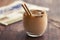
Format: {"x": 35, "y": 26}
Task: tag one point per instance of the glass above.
{"x": 54, "y": 6}
{"x": 35, "y": 24}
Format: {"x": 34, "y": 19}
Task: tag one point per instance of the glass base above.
{"x": 32, "y": 35}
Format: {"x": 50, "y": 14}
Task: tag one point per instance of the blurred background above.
{"x": 53, "y": 5}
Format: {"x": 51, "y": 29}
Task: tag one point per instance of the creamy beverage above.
{"x": 35, "y": 24}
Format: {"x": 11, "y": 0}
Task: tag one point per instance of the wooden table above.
{"x": 16, "y": 31}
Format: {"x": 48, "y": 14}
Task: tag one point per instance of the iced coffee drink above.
{"x": 35, "y": 24}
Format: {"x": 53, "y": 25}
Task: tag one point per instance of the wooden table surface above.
{"x": 16, "y": 31}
